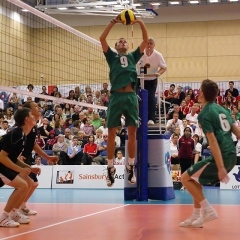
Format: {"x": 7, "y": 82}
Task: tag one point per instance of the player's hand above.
{"x": 117, "y": 19}
{"x": 53, "y": 159}
{"x": 36, "y": 170}
{"x": 25, "y": 171}
{"x": 21, "y": 158}
{"x": 223, "y": 175}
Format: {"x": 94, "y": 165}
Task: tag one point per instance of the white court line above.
{"x": 70, "y": 220}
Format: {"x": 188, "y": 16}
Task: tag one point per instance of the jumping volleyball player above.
{"x": 217, "y": 125}
{"x": 123, "y": 100}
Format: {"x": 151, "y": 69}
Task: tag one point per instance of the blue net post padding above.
{"x": 139, "y": 191}
{"x": 142, "y": 148}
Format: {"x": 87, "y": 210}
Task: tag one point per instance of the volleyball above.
{"x": 127, "y": 17}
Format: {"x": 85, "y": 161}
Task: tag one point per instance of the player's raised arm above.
{"x": 106, "y": 32}
{"x": 144, "y": 43}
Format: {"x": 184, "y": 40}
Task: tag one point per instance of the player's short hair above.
{"x": 209, "y": 89}
{"x": 20, "y": 116}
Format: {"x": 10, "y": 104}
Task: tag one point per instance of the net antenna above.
{"x": 97, "y": 8}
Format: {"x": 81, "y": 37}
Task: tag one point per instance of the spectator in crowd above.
{"x": 198, "y": 149}
{"x": 169, "y": 96}
{"x": 174, "y": 152}
{"x": 81, "y": 139}
{"x": 74, "y": 154}
{"x": 96, "y": 120}
{"x": 105, "y": 90}
{"x": 192, "y": 116}
{"x": 102, "y": 156}
{"x": 61, "y": 114}
{"x": 88, "y": 128}
{"x": 172, "y": 124}
{"x": 184, "y": 108}
{"x": 60, "y": 146}
{"x": 30, "y": 88}
{"x": 75, "y": 115}
{"x": 89, "y": 99}
{"x": 179, "y": 96}
{"x": 44, "y": 92}
{"x": 68, "y": 110}
{"x": 191, "y": 93}
{"x": 1, "y": 104}
{"x": 77, "y": 93}
{"x": 38, "y": 161}
{"x": 184, "y": 125}
{"x": 121, "y": 133}
{"x": 1, "y": 120}
{"x": 104, "y": 126}
{"x": 45, "y": 129}
{"x": 68, "y": 123}
{"x": 102, "y": 113}
{"x": 51, "y": 140}
{"x": 4, "y": 128}
{"x": 55, "y": 118}
{"x": 89, "y": 151}
{"x": 68, "y": 137}
{"x": 104, "y": 100}
{"x": 120, "y": 159}
{"x": 98, "y": 137}
{"x": 58, "y": 101}
{"x": 76, "y": 127}
{"x": 13, "y": 101}
{"x": 97, "y": 97}
{"x": 55, "y": 90}
{"x": 176, "y": 109}
{"x": 40, "y": 141}
{"x": 81, "y": 117}
{"x": 89, "y": 112}
{"x": 186, "y": 146}
{"x": 9, "y": 117}
{"x": 155, "y": 65}
{"x": 189, "y": 102}
{"x": 230, "y": 102}
{"x": 82, "y": 98}
{"x": 236, "y": 112}
{"x": 234, "y": 92}
{"x": 59, "y": 127}
{"x": 224, "y": 105}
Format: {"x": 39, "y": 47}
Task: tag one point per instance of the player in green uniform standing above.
{"x": 217, "y": 125}
{"x": 123, "y": 100}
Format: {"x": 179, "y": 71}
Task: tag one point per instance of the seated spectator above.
{"x": 169, "y": 96}
{"x": 81, "y": 139}
{"x": 54, "y": 90}
{"x": 81, "y": 117}
{"x": 176, "y": 109}
{"x": 68, "y": 110}
{"x": 97, "y": 97}
{"x": 88, "y": 90}
{"x": 68, "y": 137}
{"x": 105, "y": 90}
{"x": 40, "y": 141}
{"x": 104, "y": 126}
{"x": 30, "y": 88}
{"x": 104, "y": 100}
{"x": 76, "y": 127}
{"x": 1, "y": 105}
{"x": 224, "y": 105}
{"x": 121, "y": 133}
{"x": 89, "y": 151}
{"x": 189, "y": 102}
{"x": 68, "y": 123}
{"x": 59, "y": 127}
{"x": 1, "y": 120}
{"x": 75, "y": 115}
{"x": 88, "y": 128}
{"x": 198, "y": 149}
{"x": 174, "y": 152}
{"x": 51, "y": 140}
{"x": 117, "y": 141}
{"x": 200, "y": 133}
{"x": 192, "y": 116}
{"x": 13, "y": 101}
{"x": 74, "y": 154}
{"x": 60, "y": 146}
{"x": 55, "y": 118}
{"x": 38, "y": 161}
{"x": 89, "y": 99}
{"x": 77, "y": 92}
{"x": 96, "y": 120}
{"x": 47, "y": 112}
{"x": 184, "y": 125}
{"x": 9, "y": 117}
{"x": 61, "y": 114}
{"x": 98, "y": 137}
{"x": 179, "y": 96}
{"x": 82, "y": 97}
{"x": 230, "y": 102}
{"x": 172, "y": 124}
{"x": 234, "y": 92}
{"x": 102, "y": 113}
{"x": 191, "y": 93}
{"x": 45, "y": 129}
{"x": 102, "y": 156}
{"x": 89, "y": 113}
{"x": 120, "y": 159}
{"x": 183, "y": 108}
{"x": 4, "y": 129}
{"x": 236, "y": 112}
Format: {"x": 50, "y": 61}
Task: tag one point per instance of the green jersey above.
{"x": 214, "y": 118}
{"x": 122, "y": 68}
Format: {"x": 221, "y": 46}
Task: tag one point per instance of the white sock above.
{"x": 4, "y": 214}
{"x": 110, "y": 162}
{"x": 23, "y": 205}
{"x": 197, "y": 211}
{"x": 205, "y": 204}
{"x": 131, "y": 161}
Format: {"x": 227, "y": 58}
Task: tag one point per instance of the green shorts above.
{"x": 122, "y": 103}
{"x": 206, "y": 172}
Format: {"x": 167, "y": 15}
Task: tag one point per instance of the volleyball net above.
{"x": 40, "y": 50}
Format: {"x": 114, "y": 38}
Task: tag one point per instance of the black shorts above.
{"x": 7, "y": 175}
{"x": 33, "y": 176}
